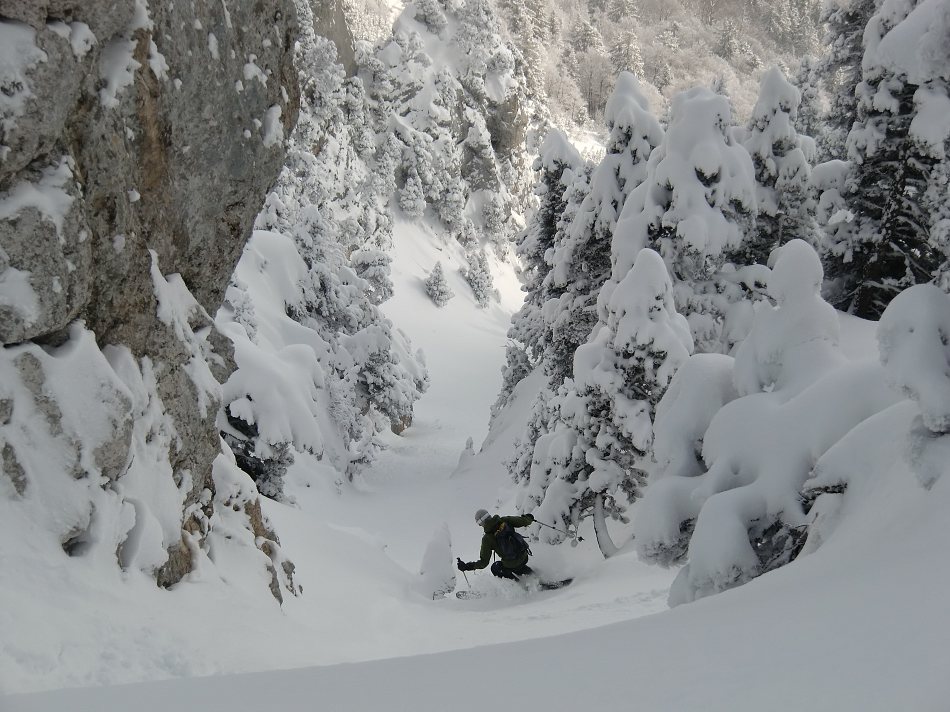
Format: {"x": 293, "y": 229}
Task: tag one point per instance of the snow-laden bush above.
{"x": 914, "y": 341}
{"x": 373, "y": 266}
{"x": 664, "y": 522}
{"x": 437, "y": 287}
{"x": 910, "y": 436}
{"x": 792, "y": 343}
{"x": 798, "y": 396}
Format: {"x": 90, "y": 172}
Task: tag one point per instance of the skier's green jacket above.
{"x": 489, "y": 545}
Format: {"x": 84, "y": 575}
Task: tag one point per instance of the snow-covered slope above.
{"x": 801, "y": 637}
{"x": 880, "y": 630}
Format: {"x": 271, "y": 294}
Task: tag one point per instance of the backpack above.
{"x": 509, "y": 543}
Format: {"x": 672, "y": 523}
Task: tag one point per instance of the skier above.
{"x": 500, "y": 537}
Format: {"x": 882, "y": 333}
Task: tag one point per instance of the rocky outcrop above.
{"x": 330, "y": 21}
{"x": 137, "y": 142}
{"x": 145, "y": 127}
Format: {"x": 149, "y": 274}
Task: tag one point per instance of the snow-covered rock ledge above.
{"x": 137, "y": 142}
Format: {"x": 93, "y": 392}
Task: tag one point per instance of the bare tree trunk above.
{"x": 606, "y": 544}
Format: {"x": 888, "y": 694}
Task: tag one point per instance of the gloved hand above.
{"x": 529, "y": 516}
{"x": 462, "y": 566}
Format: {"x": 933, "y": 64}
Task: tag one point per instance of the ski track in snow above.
{"x": 413, "y": 487}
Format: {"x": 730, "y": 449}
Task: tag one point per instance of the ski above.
{"x": 469, "y": 594}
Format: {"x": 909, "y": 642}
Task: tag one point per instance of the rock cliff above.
{"x": 137, "y": 142}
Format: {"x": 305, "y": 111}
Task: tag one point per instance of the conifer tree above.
{"x": 520, "y": 462}
{"x": 625, "y": 53}
{"x": 620, "y": 10}
{"x": 808, "y": 121}
{"x": 581, "y": 257}
{"x": 937, "y": 203}
{"x": 437, "y": 287}
{"x": 841, "y": 69}
{"x": 558, "y": 164}
{"x": 695, "y": 205}
{"x": 586, "y": 38}
{"x": 782, "y": 172}
{"x": 411, "y": 198}
{"x": 886, "y": 247}
{"x": 478, "y": 275}
{"x": 591, "y": 463}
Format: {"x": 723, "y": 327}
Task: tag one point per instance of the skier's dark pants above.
{"x": 501, "y": 572}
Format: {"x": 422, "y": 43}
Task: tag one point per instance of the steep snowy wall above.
{"x": 137, "y": 142}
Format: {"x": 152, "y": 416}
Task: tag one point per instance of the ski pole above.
{"x": 561, "y": 531}
{"x": 466, "y": 579}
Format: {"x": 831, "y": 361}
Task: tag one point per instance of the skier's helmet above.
{"x": 481, "y": 516}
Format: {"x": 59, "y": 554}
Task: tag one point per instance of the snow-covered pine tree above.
{"x": 840, "y": 69}
{"x": 696, "y": 204}
{"x": 437, "y": 287}
{"x": 893, "y": 152}
{"x": 938, "y": 207}
{"x": 558, "y": 164}
{"x": 526, "y": 23}
{"x": 519, "y": 464}
{"x": 478, "y": 275}
{"x": 729, "y": 46}
{"x": 782, "y": 173}
{"x": 586, "y": 37}
{"x": 387, "y": 379}
{"x": 605, "y": 415}
{"x": 411, "y": 198}
{"x": 794, "y": 23}
{"x": 808, "y": 121}
{"x": 620, "y": 10}
{"x": 562, "y": 334}
{"x": 625, "y": 53}
{"x": 581, "y": 257}
{"x": 563, "y": 174}
{"x": 516, "y": 368}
